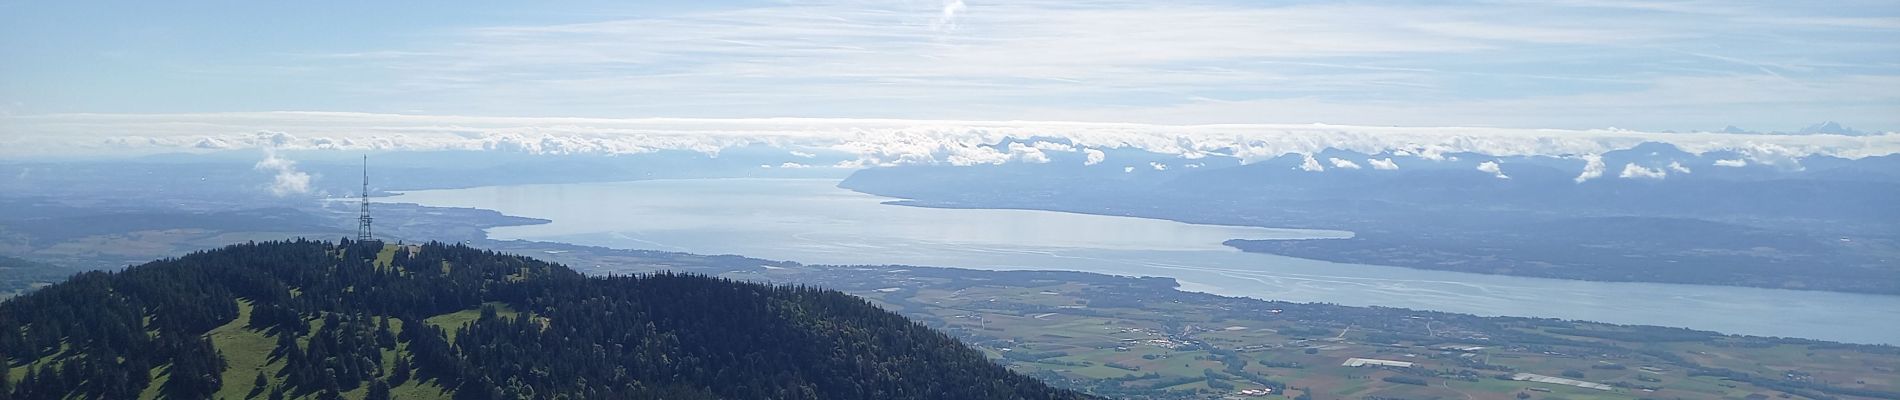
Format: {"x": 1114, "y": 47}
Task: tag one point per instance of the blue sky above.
{"x": 1572, "y": 64}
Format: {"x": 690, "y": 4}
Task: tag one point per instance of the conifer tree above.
{"x": 400, "y": 373}
{"x": 259, "y": 384}
{"x": 377, "y": 391}
{"x": 6, "y": 381}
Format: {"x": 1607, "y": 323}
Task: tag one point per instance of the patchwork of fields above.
{"x": 1187, "y": 350}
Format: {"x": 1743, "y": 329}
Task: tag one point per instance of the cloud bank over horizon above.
{"x": 870, "y": 142}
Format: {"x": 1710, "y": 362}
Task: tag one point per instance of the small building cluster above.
{"x": 1255, "y": 392}
{"x": 1361, "y": 362}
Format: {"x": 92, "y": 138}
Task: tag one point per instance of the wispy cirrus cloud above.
{"x": 1574, "y": 64}
{"x": 1570, "y": 64}
{"x": 945, "y": 81}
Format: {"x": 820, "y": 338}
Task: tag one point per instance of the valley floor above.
{"x": 1141, "y": 338}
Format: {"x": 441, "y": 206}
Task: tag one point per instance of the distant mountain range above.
{"x": 1652, "y": 212}
{"x": 1824, "y": 128}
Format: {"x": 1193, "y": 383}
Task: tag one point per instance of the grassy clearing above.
{"x": 449, "y": 322}
{"x": 386, "y": 256}
{"x": 246, "y": 352}
{"x": 16, "y": 372}
{"x": 418, "y": 390}
{"x": 159, "y": 376}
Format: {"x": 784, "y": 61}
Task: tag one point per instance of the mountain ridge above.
{"x": 363, "y": 320}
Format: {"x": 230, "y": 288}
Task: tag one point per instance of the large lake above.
{"x": 813, "y": 221}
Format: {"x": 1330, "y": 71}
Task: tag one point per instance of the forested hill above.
{"x": 309, "y": 319}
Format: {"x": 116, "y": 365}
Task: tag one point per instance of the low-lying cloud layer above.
{"x": 1592, "y": 168}
{"x": 1633, "y": 171}
{"x": 866, "y": 142}
{"x": 286, "y": 179}
{"x": 1492, "y": 167}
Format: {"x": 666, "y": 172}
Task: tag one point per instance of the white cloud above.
{"x": 211, "y": 144}
{"x": 1158, "y": 166}
{"x": 1382, "y": 163}
{"x": 1029, "y": 154}
{"x": 1094, "y": 156}
{"x": 858, "y": 164}
{"x": 800, "y": 154}
{"x": 1053, "y": 146}
{"x": 1678, "y": 167}
{"x": 1736, "y": 163}
{"x": 1493, "y": 168}
{"x": 1774, "y": 154}
{"x": 325, "y": 143}
{"x": 793, "y": 165}
{"x": 1342, "y": 163}
{"x": 1632, "y": 171}
{"x": 1311, "y": 165}
{"x": 1128, "y": 169}
{"x": 286, "y": 179}
{"x": 1592, "y": 168}
{"x": 275, "y": 139}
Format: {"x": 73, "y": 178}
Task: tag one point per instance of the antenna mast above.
{"x": 362, "y": 220}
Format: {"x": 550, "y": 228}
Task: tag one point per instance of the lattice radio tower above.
{"x": 362, "y": 220}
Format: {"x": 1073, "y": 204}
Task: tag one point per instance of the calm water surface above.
{"x": 812, "y": 221}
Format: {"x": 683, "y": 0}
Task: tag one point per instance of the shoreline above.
{"x": 549, "y": 250}
{"x": 1230, "y": 243}
{"x": 1178, "y": 285}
